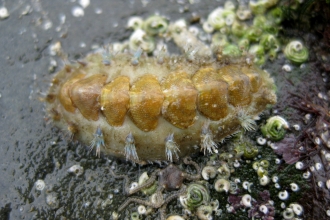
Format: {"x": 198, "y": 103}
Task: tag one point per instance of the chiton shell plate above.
{"x": 152, "y": 100}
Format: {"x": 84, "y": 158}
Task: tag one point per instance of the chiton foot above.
{"x": 148, "y": 110}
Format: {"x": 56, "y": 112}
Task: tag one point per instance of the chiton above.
{"x": 152, "y": 109}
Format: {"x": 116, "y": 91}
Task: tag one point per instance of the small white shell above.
{"x": 296, "y": 127}
{"x": 135, "y": 22}
{"x": 297, "y": 208}
{"x": 318, "y": 166}
{"x": 275, "y": 179}
{"x": 133, "y": 185}
{"x": 263, "y": 209}
{"x": 307, "y": 175}
{"x": 175, "y": 217}
{"x": 277, "y": 185}
{"x": 294, "y": 187}
{"x": 288, "y": 214}
{"x": 246, "y": 200}
{"x": 283, "y": 195}
{"x": 299, "y": 165}
{"x": 327, "y": 183}
{"x": 247, "y": 185}
{"x": 236, "y": 164}
{"x": 40, "y": 185}
{"x": 3, "y": 13}
{"x": 209, "y": 172}
{"x": 222, "y": 185}
{"x": 287, "y": 68}
{"x": 264, "y": 180}
{"x": 261, "y": 141}
{"x": 142, "y": 210}
{"x": 76, "y": 169}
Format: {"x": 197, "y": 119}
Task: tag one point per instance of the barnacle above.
{"x": 195, "y": 195}
{"x": 216, "y": 19}
{"x": 260, "y": 6}
{"x": 224, "y": 171}
{"x": 219, "y": 40}
{"x": 155, "y": 25}
{"x": 265, "y": 24}
{"x": 259, "y": 54}
{"x": 276, "y": 15}
{"x": 243, "y": 12}
{"x": 269, "y": 41}
{"x": 275, "y": 128}
{"x": 253, "y": 34}
{"x": 204, "y": 212}
{"x": 135, "y": 22}
{"x": 98, "y": 141}
{"x": 209, "y": 172}
{"x": 222, "y": 185}
{"x": 139, "y": 39}
{"x": 296, "y": 52}
{"x": 231, "y": 50}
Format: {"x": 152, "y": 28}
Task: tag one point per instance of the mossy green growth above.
{"x": 269, "y": 42}
{"x": 259, "y": 54}
{"x": 231, "y": 50}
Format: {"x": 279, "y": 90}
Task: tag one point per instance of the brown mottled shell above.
{"x": 179, "y": 107}
{"x": 85, "y": 95}
{"x": 149, "y": 102}
{"x": 115, "y": 100}
{"x": 146, "y": 99}
{"x": 212, "y": 93}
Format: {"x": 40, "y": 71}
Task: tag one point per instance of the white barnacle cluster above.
{"x": 261, "y": 168}
{"x": 145, "y": 31}
{"x": 233, "y": 32}
{"x": 294, "y": 210}
{"x": 222, "y": 175}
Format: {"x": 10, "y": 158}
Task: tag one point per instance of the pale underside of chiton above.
{"x": 145, "y": 104}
